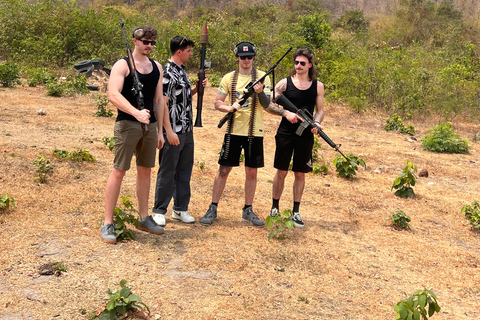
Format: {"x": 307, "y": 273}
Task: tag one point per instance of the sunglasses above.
{"x": 181, "y": 42}
{"x": 302, "y": 63}
{"x": 146, "y": 42}
{"x": 246, "y": 57}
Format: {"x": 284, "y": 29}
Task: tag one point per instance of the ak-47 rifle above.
{"x": 201, "y": 75}
{"x": 307, "y": 122}
{"x": 249, "y": 90}
{"x": 137, "y": 85}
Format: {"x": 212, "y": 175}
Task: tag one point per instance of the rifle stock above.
{"x": 137, "y": 85}
{"x": 249, "y": 90}
{"x": 308, "y": 119}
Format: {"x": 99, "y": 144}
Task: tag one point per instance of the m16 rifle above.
{"x": 137, "y": 85}
{"x": 249, "y": 90}
{"x": 307, "y": 122}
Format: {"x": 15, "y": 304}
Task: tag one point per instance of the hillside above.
{"x": 346, "y": 263}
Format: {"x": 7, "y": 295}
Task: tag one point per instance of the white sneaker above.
{"x": 159, "y": 219}
{"x": 184, "y": 216}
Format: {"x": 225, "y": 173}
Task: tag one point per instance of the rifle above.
{"x": 201, "y": 75}
{"x": 307, "y": 122}
{"x": 137, "y": 85}
{"x": 249, "y": 91}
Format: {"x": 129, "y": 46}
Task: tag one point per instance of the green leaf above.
{"x": 134, "y": 298}
{"x": 110, "y": 305}
{"x": 123, "y": 281}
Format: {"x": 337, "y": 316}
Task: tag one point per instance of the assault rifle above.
{"x": 137, "y": 85}
{"x": 249, "y": 90}
{"x": 307, "y": 122}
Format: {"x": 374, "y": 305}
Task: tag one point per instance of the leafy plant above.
{"x": 123, "y": 216}
{"x": 61, "y": 154}
{"x": 6, "y": 201}
{"x": 59, "y": 267}
{"x": 399, "y": 220}
{"x": 279, "y": 223}
{"x": 101, "y": 103}
{"x": 347, "y": 169}
{"x": 416, "y": 305}
{"x": 80, "y": 155}
{"x": 9, "y": 74}
{"x": 443, "y": 139}
{"x": 37, "y": 76}
{"x": 472, "y": 213}
{"x": 396, "y": 124}
{"x": 43, "y": 168}
{"x": 109, "y": 142}
{"x": 55, "y": 88}
{"x": 317, "y": 145}
{"x": 321, "y": 169}
{"x": 202, "y": 165}
{"x": 121, "y": 302}
{"x": 405, "y": 181}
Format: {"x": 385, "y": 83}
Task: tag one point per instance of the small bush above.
{"x": 321, "y": 169}
{"x": 347, "y": 169}
{"x": 9, "y": 74}
{"x": 71, "y": 86}
{"x": 101, "y": 103}
{"x": 61, "y": 154}
{"x": 405, "y": 181}
{"x": 279, "y": 223}
{"x": 121, "y": 302}
{"x": 443, "y": 139}
{"x": 80, "y": 155}
{"x": 6, "y": 201}
{"x": 472, "y": 213}
{"x": 43, "y": 168}
{"x": 416, "y": 305}
{"x": 317, "y": 145}
{"x": 37, "y": 76}
{"x": 109, "y": 142}
{"x": 123, "y": 216}
{"x": 55, "y": 88}
{"x": 399, "y": 220}
{"x": 396, "y": 124}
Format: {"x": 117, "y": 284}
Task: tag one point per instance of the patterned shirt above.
{"x": 177, "y": 87}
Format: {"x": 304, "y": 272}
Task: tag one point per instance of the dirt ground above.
{"x": 347, "y": 263}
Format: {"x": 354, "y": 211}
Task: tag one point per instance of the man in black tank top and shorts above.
{"x": 304, "y": 91}
{"x": 129, "y": 135}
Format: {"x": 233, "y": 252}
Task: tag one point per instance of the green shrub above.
{"x": 120, "y": 302}
{"x": 76, "y": 84}
{"x": 281, "y": 222}
{"x": 472, "y": 213}
{"x": 395, "y": 123}
{"x": 443, "y": 139}
{"x": 353, "y": 21}
{"x": 416, "y": 305}
{"x": 122, "y": 217}
{"x": 321, "y": 169}
{"x": 405, "y": 181}
{"x": 80, "y": 155}
{"x": 37, "y": 76}
{"x": 55, "y": 88}
{"x": 399, "y": 220}
{"x": 6, "y": 201}
{"x": 101, "y": 103}
{"x": 61, "y": 154}
{"x": 109, "y": 142}
{"x": 9, "y": 74}
{"x": 347, "y": 169}
{"x": 43, "y": 168}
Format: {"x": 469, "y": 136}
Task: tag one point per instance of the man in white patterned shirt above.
{"x": 176, "y": 157}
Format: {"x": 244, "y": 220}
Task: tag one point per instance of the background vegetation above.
{"x": 420, "y": 59}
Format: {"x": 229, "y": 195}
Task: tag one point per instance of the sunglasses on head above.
{"x": 146, "y": 42}
{"x": 246, "y": 57}
{"x": 181, "y": 42}
{"x": 302, "y": 63}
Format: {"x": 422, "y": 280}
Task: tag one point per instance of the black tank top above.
{"x": 301, "y": 99}
{"x": 149, "y": 82}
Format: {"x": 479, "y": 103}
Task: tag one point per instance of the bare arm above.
{"x": 115, "y": 85}
{"x": 159, "y": 106}
{"x": 319, "y": 114}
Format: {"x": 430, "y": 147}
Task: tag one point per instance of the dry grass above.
{"x": 346, "y": 264}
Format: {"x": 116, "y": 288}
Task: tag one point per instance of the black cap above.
{"x": 245, "y": 49}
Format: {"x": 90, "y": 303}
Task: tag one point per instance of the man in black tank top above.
{"x": 129, "y": 135}
{"x": 304, "y": 91}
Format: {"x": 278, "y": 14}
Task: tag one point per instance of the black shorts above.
{"x": 300, "y": 148}
{"x": 232, "y": 149}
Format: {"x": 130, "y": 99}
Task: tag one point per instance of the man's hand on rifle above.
{"x": 292, "y": 117}
{"x": 143, "y": 116}
{"x": 258, "y": 87}
{"x": 315, "y": 131}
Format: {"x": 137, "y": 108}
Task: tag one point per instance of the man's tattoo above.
{"x": 274, "y": 109}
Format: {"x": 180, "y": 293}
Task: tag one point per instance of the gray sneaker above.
{"x": 149, "y": 225}
{"x": 210, "y": 216}
{"x": 249, "y": 216}
{"x": 107, "y": 231}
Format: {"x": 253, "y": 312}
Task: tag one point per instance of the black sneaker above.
{"x": 210, "y": 216}
{"x": 249, "y": 216}
{"x": 297, "y": 220}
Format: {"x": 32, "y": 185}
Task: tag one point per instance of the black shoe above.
{"x": 297, "y": 220}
